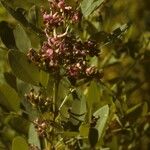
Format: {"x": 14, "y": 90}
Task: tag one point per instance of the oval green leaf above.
{"x": 19, "y": 143}
{"x": 22, "y": 40}
{"x": 78, "y": 109}
{"x": 9, "y": 98}
{"x": 26, "y": 70}
{"x": 33, "y": 136}
{"x": 10, "y": 79}
{"x": 102, "y": 114}
{"x": 93, "y": 94}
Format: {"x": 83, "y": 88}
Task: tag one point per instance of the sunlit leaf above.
{"x": 33, "y": 136}
{"x": 84, "y": 129}
{"x": 19, "y": 143}
{"x": 70, "y": 134}
{"x": 89, "y": 6}
{"x": 102, "y": 114}
{"x": 44, "y": 78}
{"x": 93, "y": 94}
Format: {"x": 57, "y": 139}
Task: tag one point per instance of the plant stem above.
{"x": 89, "y": 114}
{"x": 55, "y": 94}
{"x": 47, "y": 144}
{"x": 65, "y": 99}
{"x": 54, "y": 97}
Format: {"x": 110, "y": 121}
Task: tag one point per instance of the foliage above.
{"x": 74, "y": 74}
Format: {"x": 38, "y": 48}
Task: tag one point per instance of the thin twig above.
{"x": 65, "y": 99}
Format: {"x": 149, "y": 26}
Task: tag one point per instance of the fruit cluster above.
{"x": 63, "y": 53}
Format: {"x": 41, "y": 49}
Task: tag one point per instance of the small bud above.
{"x": 61, "y": 4}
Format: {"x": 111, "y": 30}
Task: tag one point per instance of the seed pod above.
{"x": 93, "y": 137}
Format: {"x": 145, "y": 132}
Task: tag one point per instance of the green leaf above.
{"x": 44, "y": 78}
{"x": 84, "y": 129}
{"x": 70, "y": 134}
{"x": 93, "y": 94}
{"x": 101, "y": 37}
{"x": 145, "y": 109}
{"x": 94, "y": 61}
{"x": 10, "y": 79}
{"x": 102, "y": 114}
{"x": 78, "y": 109}
{"x": 19, "y": 124}
{"x": 134, "y": 108}
{"x": 89, "y": 27}
{"x": 3, "y": 60}
{"x": 33, "y": 15}
{"x": 25, "y": 70}
{"x": 6, "y": 35}
{"x": 9, "y": 98}
{"x": 39, "y": 3}
{"x": 2, "y": 79}
{"x": 19, "y": 143}
{"x": 22, "y": 40}
{"x": 87, "y": 7}
{"x": 33, "y": 136}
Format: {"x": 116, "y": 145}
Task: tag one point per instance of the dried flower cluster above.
{"x": 43, "y": 104}
{"x": 62, "y": 53}
{"x": 36, "y": 99}
{"x": 33, "y": 147}
{"x": 42, "y": 127}
{"x": 47, "y": 127}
